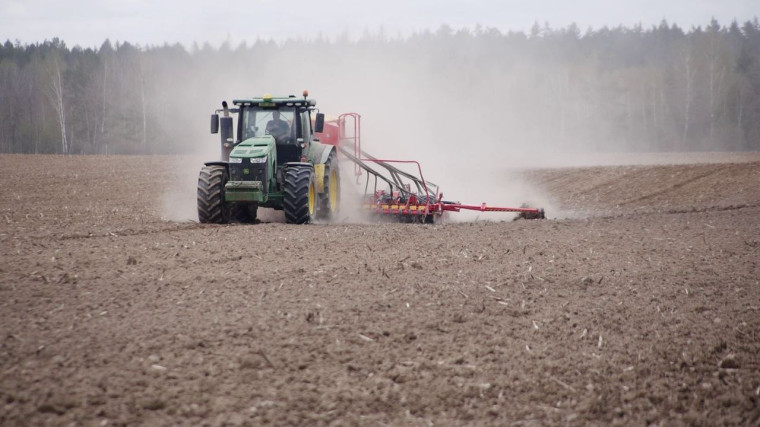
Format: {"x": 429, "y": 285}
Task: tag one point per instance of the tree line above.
{"x": 637, "y": 89}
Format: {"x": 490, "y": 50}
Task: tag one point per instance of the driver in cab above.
{"x": 277, "y": 127}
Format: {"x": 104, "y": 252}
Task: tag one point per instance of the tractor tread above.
{"x": 296, "y": 195}
{"x": 211, "y": 208}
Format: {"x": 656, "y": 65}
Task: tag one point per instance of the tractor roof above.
{"x": 275, "y": 101}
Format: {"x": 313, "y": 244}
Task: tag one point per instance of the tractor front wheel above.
{"x": 300, "y": 198}
{"x": 211, "y": 206}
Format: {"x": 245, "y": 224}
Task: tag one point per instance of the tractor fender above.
{"x": 217, "y": 163}
{"x": 299, "y": 164}
{"x": 326, "y": 155}
{"x": 318, "y": 155}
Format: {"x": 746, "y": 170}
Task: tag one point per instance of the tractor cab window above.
{"x": 306, "y": 131}
{"x": 280, "y": 123}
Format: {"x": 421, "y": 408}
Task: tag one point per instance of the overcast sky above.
{"x": 154, "y": 22}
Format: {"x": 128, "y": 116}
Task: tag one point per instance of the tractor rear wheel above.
{"x": 300, "y": 198}
{"x": 211, "y": 206}
{"x": 329, "y": 201}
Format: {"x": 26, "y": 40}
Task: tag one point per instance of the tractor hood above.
{"x": 254, "y": 147}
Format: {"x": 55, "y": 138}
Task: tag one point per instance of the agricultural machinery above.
{"x": 389, "y": 191}
{"x": 272, "y": 160}
{"x": 282, "y": 158}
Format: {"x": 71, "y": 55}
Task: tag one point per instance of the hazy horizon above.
{"x": 88, "y": 23}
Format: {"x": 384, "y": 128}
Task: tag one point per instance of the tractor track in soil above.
{"x": 639, "y": 303}
{"x": 164, "y": 230}
{"x": 674, "y": 186}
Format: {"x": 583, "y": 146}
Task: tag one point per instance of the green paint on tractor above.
{"x": 270, "y": 158}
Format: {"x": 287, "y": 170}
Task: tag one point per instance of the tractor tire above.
{"x": 329, "y": 200}
{"x": 211, "y": 206}
{"x": 300, "y": 199}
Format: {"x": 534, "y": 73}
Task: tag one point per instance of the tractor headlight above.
{"x": 259, "y": 159}
{"x": 236, "y": 160}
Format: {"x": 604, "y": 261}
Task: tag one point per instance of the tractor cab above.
{"x": 283, "y": 124}
{"x": 286, "y": 119}
{"x": 272, "y": 160}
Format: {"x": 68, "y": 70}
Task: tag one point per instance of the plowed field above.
{"x": 638, "y": 303}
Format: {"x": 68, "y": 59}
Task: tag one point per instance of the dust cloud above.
{"x": 468, "y": 127}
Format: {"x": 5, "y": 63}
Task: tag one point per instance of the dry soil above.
{"x": 641, "y": 306}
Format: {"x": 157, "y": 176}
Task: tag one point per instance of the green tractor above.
{"x": 273, "y": 160}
